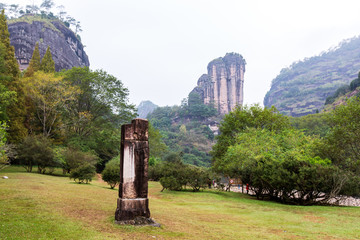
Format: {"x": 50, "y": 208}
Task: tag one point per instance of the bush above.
{"x": 174, "y": 174}
{"x": 75, "y": 158}
{"x": 36, "y": 150}
{"x": 171, "y": 183}
{"x": 83, "y": 173}
{"x": 111, "y": 173}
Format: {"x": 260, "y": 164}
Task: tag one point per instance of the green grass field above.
{"x": 35, "y": 206}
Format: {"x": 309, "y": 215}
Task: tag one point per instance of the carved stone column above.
{"x": 133, "y": 204}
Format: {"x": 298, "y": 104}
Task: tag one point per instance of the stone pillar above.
{"x": 133, "y": 204}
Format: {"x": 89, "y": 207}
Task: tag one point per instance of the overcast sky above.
{"x": 160, "y": 48}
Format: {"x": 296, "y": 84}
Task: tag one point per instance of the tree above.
{"x": 74, "y": 158}
{"x": 283, "y": 166}
{"x": 15, "y": 111}
{"x": 47, "y": 5}
{"x": 4, "y": 161}
{"x": 243, "y": 117}
{"x": 93, "y": 118}
{"x": 47, "y": 63}
{"x": 111, "y": 173}
{"x": 35, "y": 62}
{"x": 36, "y": 150}
{"x": 49, "y": 95}
{"x": 156, "y": 144}
{"x": 342, "y": 144}
{"x": 6, "y": 96}
{"x": 83, "y": 173}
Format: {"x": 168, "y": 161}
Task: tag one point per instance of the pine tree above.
{"x": 34, "y": 64}
{"x": 11, "y": 65}
{"x": 47, "y": 63}
{"x": 16, "y": 110}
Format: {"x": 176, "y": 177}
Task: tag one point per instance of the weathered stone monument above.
{"x": 133, "y": 203}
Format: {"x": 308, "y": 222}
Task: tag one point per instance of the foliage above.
{"x": 185, "y": 133}
{"x": 49, "y": 94}
{"x": 83, "y": 173}
{"x": 111, "y": 173}
{"x": 93, "y": 117}
{"x": 342, "y": 144}
{"x": 74, "y": 159}
{"x": 9, "y": 86}
{"x": 312, "y": 124}
{"x": 36, "y": 150}
{"x": 194, "y": 108}
{"x": 156, "y": 144}
{"x": 282, "y": 166}
{"x": 35, "y": 62}
{"x": 47, "y": 64}
{"x": 242, "y": 118}
{"x": 173, "y": 174}
{"x": 4, "y": 161}
{"x": 6, "y": 96}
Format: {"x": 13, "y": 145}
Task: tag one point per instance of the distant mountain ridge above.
{"x": 303, "y": 88}
{"x": 146, "y": 107}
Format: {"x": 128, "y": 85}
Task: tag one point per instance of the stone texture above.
{"x": 223, "y": 84}
{"x": 133, "y": 189}
{"x": 67, "y": 51}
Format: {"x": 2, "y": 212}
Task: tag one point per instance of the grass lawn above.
{"x": 35, "y": 206}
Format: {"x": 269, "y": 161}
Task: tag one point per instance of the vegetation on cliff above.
{"x": 303, "y": 87}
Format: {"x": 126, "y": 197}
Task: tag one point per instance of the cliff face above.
{"x": 224, "y": 82}
{"x": 67, "y": 51}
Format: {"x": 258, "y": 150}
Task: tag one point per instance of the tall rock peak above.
{"x": 66, "y": 49}
{"x": 223, "y": 84}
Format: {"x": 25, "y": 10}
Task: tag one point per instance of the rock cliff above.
{"x": 223, "y": 84}
{"x": 67, "y": 51}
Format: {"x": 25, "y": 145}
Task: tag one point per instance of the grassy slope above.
{"x": 34, "y": 206}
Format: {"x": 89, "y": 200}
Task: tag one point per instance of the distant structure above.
{"x": 133, "y": 202}
{"x": 223, "y": 85}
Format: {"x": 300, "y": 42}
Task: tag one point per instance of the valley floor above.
{"x": 34, "y": 206}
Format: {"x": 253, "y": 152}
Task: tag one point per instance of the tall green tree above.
{"x": 49, "y": 95}
{"x": 35, "y": 62}
{"x": 47, "y": 63}
{"x": 94, "y": 117}
{"x": 15, "y": 111}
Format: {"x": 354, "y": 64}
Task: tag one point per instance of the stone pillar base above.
{"x": 129, "y": 209}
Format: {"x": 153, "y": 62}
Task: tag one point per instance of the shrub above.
{"x": 75, "y": 158}
{"x": 111, "y": 173}
{"x": 83, "y": 173}
{"x": 36, "y": 150}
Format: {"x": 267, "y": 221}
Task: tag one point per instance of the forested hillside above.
{"x": 185, "y": 129}
{"x": 303, "y": 87}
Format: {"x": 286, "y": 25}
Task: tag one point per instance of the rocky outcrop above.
{"x": 224, "y": 82}
{"x": 67, "y": 51}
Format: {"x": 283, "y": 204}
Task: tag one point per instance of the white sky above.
{"x": 160, "y": 48}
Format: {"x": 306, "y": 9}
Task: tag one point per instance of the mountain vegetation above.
{"x": 185, "y": 129}
{"x": 303, "y": 87}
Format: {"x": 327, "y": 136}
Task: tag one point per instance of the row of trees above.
{"x": 260, "y": 147}
{"x": 58, "y": 113}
